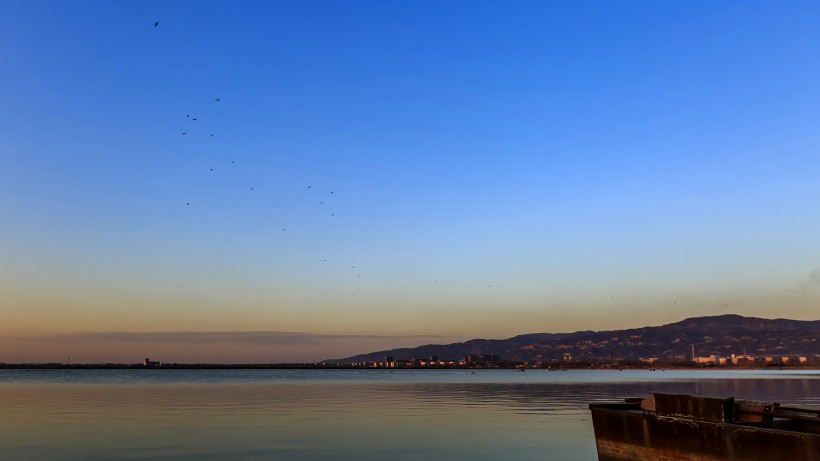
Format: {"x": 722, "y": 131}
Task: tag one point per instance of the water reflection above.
{"x": 340, "y": 416}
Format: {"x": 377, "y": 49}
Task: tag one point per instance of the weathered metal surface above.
{"x": 754, "y": 412}
{"x": 625, "y": 432}
{"x": 648, "y": 403}
{"x": 694, "y": 407}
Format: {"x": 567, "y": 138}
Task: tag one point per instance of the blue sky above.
{"x": 496, "y": 168}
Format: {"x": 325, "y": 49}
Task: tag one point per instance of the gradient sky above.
{"x": 496, "y": 168}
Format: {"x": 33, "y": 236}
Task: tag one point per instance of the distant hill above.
{"x": 722, "y": 334}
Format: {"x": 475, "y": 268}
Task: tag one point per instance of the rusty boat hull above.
{"x": 667, "y": 427}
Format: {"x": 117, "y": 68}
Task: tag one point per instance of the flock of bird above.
{"x": 192, "y": 118}
{"x": 211, "y": 170}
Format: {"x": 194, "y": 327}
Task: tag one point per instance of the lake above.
{"x": 339, "y": 414}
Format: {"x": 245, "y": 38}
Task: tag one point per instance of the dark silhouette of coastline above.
{"x": 517, "y": 366}
{"x": 167, "y": 366}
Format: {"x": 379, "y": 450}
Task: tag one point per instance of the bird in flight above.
{"x": 217, "y": 99}
{"x": 252, "y": 188}
{"x": 212, "y": 169}
{"x": 193, "y": 119}
{"x": 188, "y": 116}
{"x": 184, "y": 132}
{"x": 212, "y": 134}
{"x": 156, "y": 24}
{"x": 187, "y": 203}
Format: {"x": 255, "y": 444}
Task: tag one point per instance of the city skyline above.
{"x": 271, "y": 182}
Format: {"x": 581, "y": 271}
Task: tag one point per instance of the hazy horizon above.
{"x": 357, "y": 176}
{"x": 220, "y": 346}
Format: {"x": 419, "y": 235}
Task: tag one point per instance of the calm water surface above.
{"x": 338, "y": 415}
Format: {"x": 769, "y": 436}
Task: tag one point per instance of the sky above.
{"x": 303, "y": 180}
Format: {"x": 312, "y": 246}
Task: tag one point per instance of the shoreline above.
{"x": 319, "y": 366}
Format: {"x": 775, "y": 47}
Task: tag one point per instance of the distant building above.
{"x": 742, "y": 360}
{"x": 713, "y": 359}
{"x": 482, "y": 360}
{"x": 149, "y": 364}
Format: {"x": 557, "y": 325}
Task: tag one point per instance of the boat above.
{"x": 680, "y": 427}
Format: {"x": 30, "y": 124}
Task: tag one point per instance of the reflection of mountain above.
{"x": 723, "y": 334}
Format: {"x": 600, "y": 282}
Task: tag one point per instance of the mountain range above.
{"x": 723, "y": 335}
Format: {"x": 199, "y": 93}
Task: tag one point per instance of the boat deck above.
{"x": 669, "y": 427}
